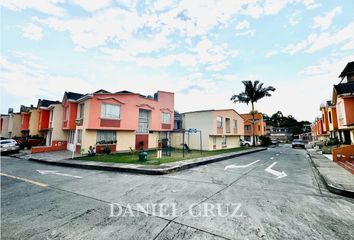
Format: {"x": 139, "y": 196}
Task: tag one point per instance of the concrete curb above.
{"x": 146, "y": 169}
{"x": 330, "y": 186}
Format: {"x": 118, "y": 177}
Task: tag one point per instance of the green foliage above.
{"x": 332, "y": 142}
{"x": 253, "y": 92}
{"x": 265, "y": 141}
{"x": 107, "y": 150}
{"x": 279, "y": 120}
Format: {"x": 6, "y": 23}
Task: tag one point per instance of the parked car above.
{"x": 275, "y": 142}
{"x": 9, "y": 146}
{"x": 245, "y": 143}
{"x": 298, "y": 143}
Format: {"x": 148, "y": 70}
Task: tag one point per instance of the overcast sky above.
{"x": 201, "y": 50}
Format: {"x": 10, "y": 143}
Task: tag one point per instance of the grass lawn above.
{"x": 176, "y": 155}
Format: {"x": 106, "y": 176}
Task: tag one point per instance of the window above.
{"x": 66, "y": 113}
{"x": 330, "y": 117}
{"x": 259, "y": 128}
{"x": 111, "y": 111}
{"x": 214, "y": 140}
{"x": 79, "y": 136}
{"x": 81, "y": 110}
{"x": 71, "y": 135}
{"x": 223, "y": 140}
{"x": 106, "y": 137}
{"x": 228, "y": 123}
{"x": 166, "y": 118}
{"x": 235, "y": 124}
{"x": 219, "y": 122}
{"x": 247, "y": 127}
{"x": 143, "y": 121}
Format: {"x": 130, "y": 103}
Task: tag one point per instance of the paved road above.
{"x": 76, "y": 204}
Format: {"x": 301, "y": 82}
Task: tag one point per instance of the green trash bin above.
{"x": 143, "y": 156}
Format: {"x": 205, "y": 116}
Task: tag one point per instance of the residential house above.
{"x": 317, "y": 131}
{"x": 259, "y": 126}
{"x": 50, "y": 117}
{"x": 14, "y": 125}
{"x": 282, "y": 134}
{"x": 4, "y": 125}
{"x": 215, "y": 129}
{"x": 70, "y": 108}
{"x": 123, "y": 121}
{"x": 343, "y": 99}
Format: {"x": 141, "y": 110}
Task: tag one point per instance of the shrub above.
{"x": 265, "y": 140}
{"x": 107, "y": 150}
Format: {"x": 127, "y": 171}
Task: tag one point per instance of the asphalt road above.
{"x": 67, "y": 203}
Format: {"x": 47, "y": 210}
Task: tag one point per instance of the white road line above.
{"x": 24, "y": 179}
{"x": 241, "y": 166}
{"x": 274, "y": 172}
{"x": 45, "y": 172}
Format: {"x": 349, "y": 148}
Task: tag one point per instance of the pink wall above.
{"x": 130, "y": 105}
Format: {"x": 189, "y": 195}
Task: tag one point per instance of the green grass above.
{"x": 176, "y": 155}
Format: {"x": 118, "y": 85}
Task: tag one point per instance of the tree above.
{"x": 253, "y": 92}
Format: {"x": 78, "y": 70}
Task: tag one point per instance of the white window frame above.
{"x": 79, "y": 136}
{"x": 81, "y": 110}
{"x": 145, "y": 129}
{"x": 66, "y": 113}
{"x": 235, "y": 124}
{"x": 223, "y": 140}
{"x": 111, "y": 116}
{"x": 165, "y": 119}
{"x": 219, "y": 122}
{"x": 113, "y": 133}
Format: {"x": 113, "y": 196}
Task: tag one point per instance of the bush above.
{"x": 265, "y": 140}
{"x": 332, "y": 142}
{"x": 107, "y": 150}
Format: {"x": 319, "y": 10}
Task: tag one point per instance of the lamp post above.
{"x": 77, "y": 123}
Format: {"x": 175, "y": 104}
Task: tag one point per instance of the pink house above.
{"x": 122, "y": 120}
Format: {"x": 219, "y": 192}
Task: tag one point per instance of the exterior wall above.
{"x": 129, "y": 112}
{"x": 332, "y": 125}
{"x": 203, "y": 121}
{"x": 153, "y": 140}
{"x": 88, "y": 139}
{"x": 349, "y": 110}
{"x": 70, "y": 123}
{"x": 232, "y": 115}
{"x": 55, "y": 146}
{"x": 126, "y": 140}
{"x": 325, "y": 122}
{"x": 260, "y": 125}
{"x": 15, "y": 125}
{"x": 33, "y": 122}
{"x": 43, "y": 123}
{"x": 231, "y": 142}
{"x": 5, "y": 126}
{"x": 25, "y": 119}
{"x": 57, "y": 133}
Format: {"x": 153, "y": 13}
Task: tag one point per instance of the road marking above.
{"x": 277, "y": 154}
{"x": 271, "y": 158}
{"x": 45, "y": 172}
{"x": 274, "y": 172}
{"x": 24, "y": 179}
{"x": 240, "y": 166}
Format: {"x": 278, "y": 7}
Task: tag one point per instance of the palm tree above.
{"x": 253, "y": 92}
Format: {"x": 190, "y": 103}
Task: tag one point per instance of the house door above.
{"x": 142, "y": 141}
{"x": 71, "y": 136}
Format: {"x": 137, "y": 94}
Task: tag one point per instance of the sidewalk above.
{"x": 61, "y": 158}
{"x": 337, "y": 179}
